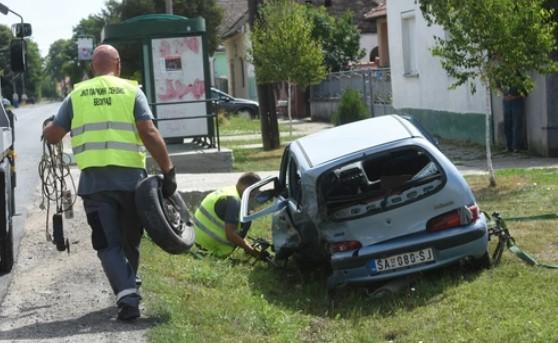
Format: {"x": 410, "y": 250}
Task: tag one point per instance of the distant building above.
{"x": 421, "y": 86}
{"x": 234, "y": 31}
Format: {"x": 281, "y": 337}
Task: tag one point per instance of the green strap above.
{"x": 515, "y": 249}
{"x": 530, "y": 260}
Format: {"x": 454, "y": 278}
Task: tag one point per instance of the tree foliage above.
{"x": 498, "y": 41}
{"x": 208, "y": 9}
{"x": 11, "y": 81}
{"x": 282, "y": 45}
{"x": 339, "y": 37}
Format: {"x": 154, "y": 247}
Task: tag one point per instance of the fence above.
{"x": 373, "y": 84}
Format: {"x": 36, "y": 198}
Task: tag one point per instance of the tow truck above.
{"x": 7, "y": 152}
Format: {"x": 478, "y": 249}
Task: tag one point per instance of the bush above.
{"x": 351, "y": 108}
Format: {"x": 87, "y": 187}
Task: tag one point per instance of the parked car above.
{"x": 231, "y": 104}
{"x": 375, "y": 199}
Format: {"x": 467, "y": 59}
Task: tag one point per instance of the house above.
{"x": 234, "y": 31}
{"x": 367, "y": 28}
{"x": 421, "y": 86}
{"x": 379, "y": 15}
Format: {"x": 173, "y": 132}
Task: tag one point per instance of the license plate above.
{"x": 402, "y": 260}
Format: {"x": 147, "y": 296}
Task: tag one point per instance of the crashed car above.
{"x": 375, "y": 199}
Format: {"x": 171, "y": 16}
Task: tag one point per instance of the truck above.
{"x": 7, "y": 151}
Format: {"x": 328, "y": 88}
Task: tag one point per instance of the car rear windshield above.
{"x": 379, "y": 183}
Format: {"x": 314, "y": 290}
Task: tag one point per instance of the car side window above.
{"x": 294, "y": 185}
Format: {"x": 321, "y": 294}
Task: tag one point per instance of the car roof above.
{"x": 342, "y": 140}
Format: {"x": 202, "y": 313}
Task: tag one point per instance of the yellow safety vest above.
{"x": 209, "y": 228}
{"x": 103, "y": 125}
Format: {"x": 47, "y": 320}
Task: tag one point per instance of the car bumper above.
{"x": 448, "y": 246}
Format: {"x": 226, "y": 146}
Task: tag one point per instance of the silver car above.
{"x": 375, "y": 199}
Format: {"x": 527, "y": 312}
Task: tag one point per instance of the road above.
{"x": 28, "y": 153}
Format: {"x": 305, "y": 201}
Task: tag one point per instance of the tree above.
{"x": 7, "y": 75}
{"x": 339, "y": 37}
{"x": 208, "y": 9}
{"x": 283, "y": 48}
{"x": 34, "y": 74}
{"x": 499, "y": 42}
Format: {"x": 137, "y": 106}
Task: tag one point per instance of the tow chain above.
{"x": 497, "y": 227}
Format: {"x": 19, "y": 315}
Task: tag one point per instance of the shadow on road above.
{"x": 102, "y": 321}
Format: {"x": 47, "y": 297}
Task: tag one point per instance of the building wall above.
{"x": 426, "y": 91}
{"x": 368, "y": 41}
{"x": 242, "y": 80}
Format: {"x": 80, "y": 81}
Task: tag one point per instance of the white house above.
{"x": 420, "y": 84}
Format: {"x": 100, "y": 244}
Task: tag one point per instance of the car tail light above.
{"x": 344, "y": 246}
{"x": 459, "y": 217}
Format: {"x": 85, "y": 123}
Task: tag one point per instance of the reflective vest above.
{"x": 103, "y": 125}
{"x": 209, "y": 228}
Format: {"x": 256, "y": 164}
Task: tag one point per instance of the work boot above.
{"x": 128, "y": 313}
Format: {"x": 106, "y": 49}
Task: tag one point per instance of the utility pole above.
{"x": 266, "y": 98}
{"x": 168, "y": 6}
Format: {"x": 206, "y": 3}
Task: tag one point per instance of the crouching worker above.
{"x": 216, "y": 221}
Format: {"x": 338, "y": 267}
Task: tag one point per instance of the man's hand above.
{"x": 169, "y": 183}
{"x": 48, "y": 120}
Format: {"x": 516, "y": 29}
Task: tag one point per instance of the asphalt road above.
{"x": 28, "y": 153}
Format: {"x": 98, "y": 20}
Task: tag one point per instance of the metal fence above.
{"x": 373, "y": 84}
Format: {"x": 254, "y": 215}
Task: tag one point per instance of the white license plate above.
{"x": 402, "y": 260}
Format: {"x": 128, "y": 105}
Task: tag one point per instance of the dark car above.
{"x": 230, "y": 104}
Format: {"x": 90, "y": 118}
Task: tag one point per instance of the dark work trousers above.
{"x": 116, "y": 235}
{"x": 513, "y": 123}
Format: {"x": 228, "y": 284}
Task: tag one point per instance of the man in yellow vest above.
{"x": 111, "y": 125}
{"x": 216, "y": 221}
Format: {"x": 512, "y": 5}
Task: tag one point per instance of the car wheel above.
{"x": 167, "y": 221}
{"x": 7, "y": 252}
{"x": 250, "y": 112}
{"x": 480, "y": 263}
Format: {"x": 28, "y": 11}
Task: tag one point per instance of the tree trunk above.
{"x": 488, "y": 141}
{"x": 290, "y": 107}
{"x": 266, "y": 98}
{"x": 268, "y": 116}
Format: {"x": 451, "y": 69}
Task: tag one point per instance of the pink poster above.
{"x": 179, "y": 76}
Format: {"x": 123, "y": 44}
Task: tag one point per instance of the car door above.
{"x": 265, "y": 197}
{"x": 291, "y": 228}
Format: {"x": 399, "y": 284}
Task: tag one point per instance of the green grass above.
{"x": 238, "y": 125}
{"x": 210, "y": 300}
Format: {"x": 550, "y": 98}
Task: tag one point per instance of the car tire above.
{"x": 250, "y": 111}
{"x": 7, "y": 252}
{"x": 480, "y": 263}
{"x": 167, "y": 221}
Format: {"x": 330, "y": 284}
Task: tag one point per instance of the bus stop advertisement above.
{"x": 176, "y": 75}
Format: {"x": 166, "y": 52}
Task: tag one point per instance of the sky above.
{"x": 51, "y": 19}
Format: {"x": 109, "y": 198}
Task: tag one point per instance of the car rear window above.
{"x": 379, "y": 183}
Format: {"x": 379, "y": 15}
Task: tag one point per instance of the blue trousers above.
{"x": 116, "y": 234}
{"x": 513, "y": 123}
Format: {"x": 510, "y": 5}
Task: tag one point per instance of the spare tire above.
{"x": 166, "y": 220}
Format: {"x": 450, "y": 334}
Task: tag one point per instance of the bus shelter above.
{"x": 176, "y": 74}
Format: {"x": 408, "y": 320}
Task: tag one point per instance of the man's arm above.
{"x": 155, "y": 144}
{"x": 53, "y": 133}
{"x": 57, "y": 127}
{"x": 233, "y": 237}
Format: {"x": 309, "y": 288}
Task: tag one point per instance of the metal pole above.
{"x": 168, "y": 6}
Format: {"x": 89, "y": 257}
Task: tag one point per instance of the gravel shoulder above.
{"x": 60, "y": 297}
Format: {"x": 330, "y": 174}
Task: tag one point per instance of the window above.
{"x": 409, "y": 43}
{"x": 380, "y": 183}
{"x": 294, "y": 185}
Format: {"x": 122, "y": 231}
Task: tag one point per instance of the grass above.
{"x": 239, "y": 125}
{"x": 211, "y": 300}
